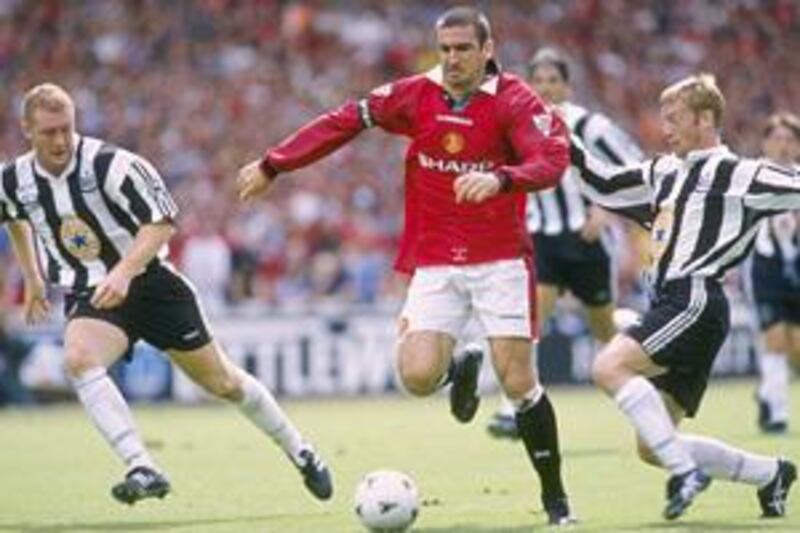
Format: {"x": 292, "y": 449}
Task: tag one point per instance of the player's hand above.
{"x": 113, "y": 290}
{"x": 36, "y": 306}
{"x": 476, "y": 187}
{"x": 252, "y": 181}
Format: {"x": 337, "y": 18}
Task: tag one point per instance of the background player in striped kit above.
{"x": 569, "y": 232}
{"x": 701, "y": 204}
{"x": 102, "y": 218}
{"x": 775, "y": 275}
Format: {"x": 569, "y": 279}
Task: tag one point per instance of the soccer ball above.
{"x": 386, "y": 501}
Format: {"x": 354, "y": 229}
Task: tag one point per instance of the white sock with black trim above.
{"x": 111, "y": 415}
{"x": 260, "y": 407}
{"x": 645, "y": 409}
{"x": 722, "y": 461}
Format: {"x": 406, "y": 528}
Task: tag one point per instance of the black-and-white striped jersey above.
{"x": 702, "y": 211}
{"x": 86, "y": 219}
{"x": 779, "y": 236}
{"x": 564, "y": 208}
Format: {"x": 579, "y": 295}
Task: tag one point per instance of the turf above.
{"x": 55, "y": 472}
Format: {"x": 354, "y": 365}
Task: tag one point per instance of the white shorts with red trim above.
{"x": 498, "y": 294}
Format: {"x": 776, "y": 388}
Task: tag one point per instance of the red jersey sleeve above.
{"x": 388, "y": 107}
{"x": 539, "y": 138}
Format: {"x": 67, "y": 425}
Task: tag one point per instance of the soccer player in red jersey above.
{"x": 480, "y": 140}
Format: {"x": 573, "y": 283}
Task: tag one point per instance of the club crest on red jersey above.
{"x": 453, "y": 142}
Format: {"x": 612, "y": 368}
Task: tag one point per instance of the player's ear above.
{"x": 488, "y": 49}
{"x": 27, "y": 128}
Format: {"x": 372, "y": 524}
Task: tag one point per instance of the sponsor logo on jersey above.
{"x": 79, "y": 239}
{"x": 454, "y": 119}
{"x": 453, "y": 166}
{"x": 453, "y": 142}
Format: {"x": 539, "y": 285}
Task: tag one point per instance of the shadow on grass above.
{"x": 702, "y": 525}
{"x": 143, "y": 525}
{"x": 463, "y": 528}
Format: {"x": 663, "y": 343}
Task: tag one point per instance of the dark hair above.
{"x": 466, "y": 16}
{"x": 552, "y": 57}
{"x": 783, "y": 120}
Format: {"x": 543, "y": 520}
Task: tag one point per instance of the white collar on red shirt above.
{"x": 489, "y": 86}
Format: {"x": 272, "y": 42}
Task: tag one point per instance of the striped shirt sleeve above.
{"x": 622, "y": 189}
{"x": 135, "y": 184}
{"x": 608, "y": 141}
{"x": 773, "y": 189}
{"x": 8, "y": 211}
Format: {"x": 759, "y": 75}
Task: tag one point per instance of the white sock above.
{"x": 719, "y": 460}
{"x": 111, "y": 416}
{"x": 260, "y": 407}
{"x": 640, "y": 401}
{"x": 506, "y": 407}
{"x": 530, "y": 399}
{"x": 774, "y": 386}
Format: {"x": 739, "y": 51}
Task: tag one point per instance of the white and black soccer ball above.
{"x": 386, "y": 501}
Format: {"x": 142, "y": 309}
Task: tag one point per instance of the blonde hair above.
{"x": 700, "y": 93}
{"x": 783, "y": 120}
{"x": 47, "y": 96}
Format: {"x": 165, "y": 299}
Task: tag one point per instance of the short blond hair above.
{"x": 784, "y": 119}
{"x": 700, "y": 93}
{"x": 47, "y": 96}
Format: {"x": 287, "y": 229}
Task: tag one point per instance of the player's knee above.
{"x": 418, "y": 380}
{"x": 78, "y": 358}
{"x": 518, "y": 384}
{"x": 603, "y": 371}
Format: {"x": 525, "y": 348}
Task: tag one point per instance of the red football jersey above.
{"x": 503, "y": 127}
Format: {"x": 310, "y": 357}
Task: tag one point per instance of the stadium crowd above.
{"x": 199, "y": 86}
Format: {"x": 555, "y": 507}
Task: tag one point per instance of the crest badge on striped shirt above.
{"x": 79, "y": 239}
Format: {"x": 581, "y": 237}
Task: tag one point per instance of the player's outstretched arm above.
{"x": 36, "y": 306}
{"x": 773, "y": 189}
{"x": 623, "y": 189}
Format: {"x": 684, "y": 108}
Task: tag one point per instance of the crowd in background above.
{"x": 201, "y": 87}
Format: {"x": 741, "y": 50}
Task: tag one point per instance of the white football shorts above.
{"x": 500, "y": 295}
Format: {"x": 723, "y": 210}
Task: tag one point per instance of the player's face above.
{"x": 52, "y": 137}
{"x": 548, "y": 82}
{"x": 462, "y": 58}
{"x": 681, "y": 127}
{"x": 782, "y": 146}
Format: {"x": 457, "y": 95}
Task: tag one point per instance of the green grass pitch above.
{"x": 55, "y": 472}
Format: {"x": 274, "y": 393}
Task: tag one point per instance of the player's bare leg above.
{"x": 503, "y": 423}
{"x": 423, "y": 360}
{"x": 515, "y": 363}
{"x": 91, "y": 346}
{"x": 210, "y": 368}
{"x": 600, "y": 319}
{"x": 425, "y": 363}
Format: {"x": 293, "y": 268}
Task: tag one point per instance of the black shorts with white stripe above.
{"x": 683, "y": 331}
{"x": 776, "y": 290}
{"x": 161, "y": 308}
{"x": 570, "y": 263}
